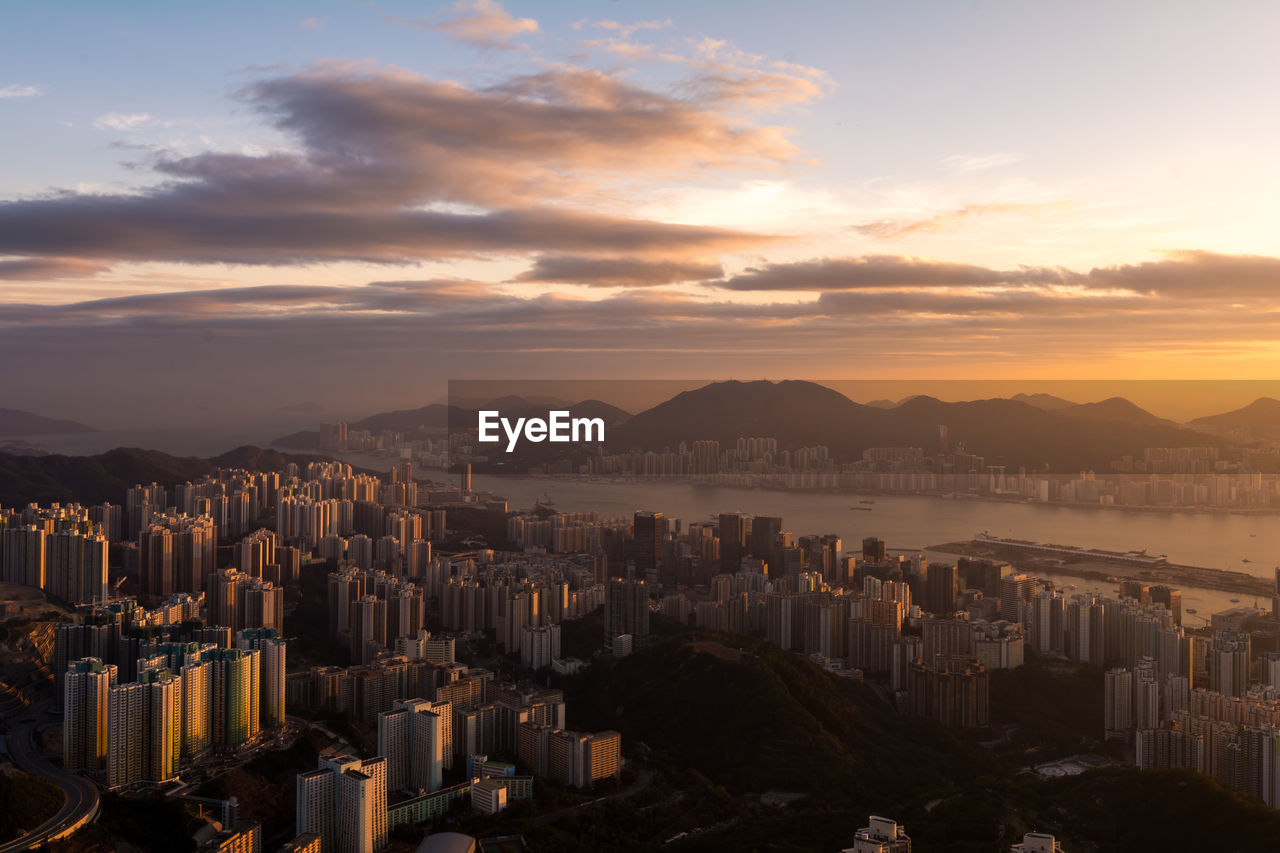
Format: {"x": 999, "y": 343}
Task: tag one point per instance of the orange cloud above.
{"x": 480, "y": 23}
{"x": 885, "y": 229}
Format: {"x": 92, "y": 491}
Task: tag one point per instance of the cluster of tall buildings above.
{"x": 184, "y": 700}
{"x": 350, "y": 804}
{"x": 62, "y": 550}
{"x": 1209, "y": 700}
{"x": 935, "y": 630}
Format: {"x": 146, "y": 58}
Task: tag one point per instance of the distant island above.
{"x": 18, "y": 422}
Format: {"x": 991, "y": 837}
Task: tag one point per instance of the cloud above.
{"x": 121, "y": 121}
{"x": 480, "y": 23}
{"x": 1184, "y": 275}
{"x": 392, "y": 167}
{"x": 14, "y": 90}
{"x": 252, "y": 341}
{"x": 464, "y": 315}
{"x": 627, "y": 30}
{"x": 616, "y": 272}
{"x": 889, "y": 228}
{"x": 722, "y": 73}
{"x": 48, "y": 269}
{"x": 191, "y": 228}
{"x": 312, "y": 23}
{"x": 871, "y": 272}
{"x": 1196, "y": 274}
{"x": 981, "y": 163}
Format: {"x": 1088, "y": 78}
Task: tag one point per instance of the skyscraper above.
{"x": 940, "y": 588}
{"x": 649, "y": 531}
{"x": 765, "y": 530}
{"x": 626, "y": 608}
{"x": 271, "y": 672}
{"x": 1015, "y": 591}
{"x": 235, "y": 696}
{"x": 733, "y": 537}
{"x": 85, "y": 700}
{"x": 344, "y": 801}
{"x": 144, "y": 729}
{"x": 412, "y": 738}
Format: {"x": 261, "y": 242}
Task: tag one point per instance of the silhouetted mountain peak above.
{"x": 1114, "y": 409}
{"x": 1047, "y": 402}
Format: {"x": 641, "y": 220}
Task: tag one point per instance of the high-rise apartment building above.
{"x": 344, "y": 802}
{"x": 234, "y": 696}
{"x": 414, "y": 738}
{"x": 86, "y": 685}
{"x": 271, "y": 672}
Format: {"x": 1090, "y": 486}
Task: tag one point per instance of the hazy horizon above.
{"x": 1179, "y": 401}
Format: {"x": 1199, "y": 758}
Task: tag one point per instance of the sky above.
{"x": 212, "y": 212}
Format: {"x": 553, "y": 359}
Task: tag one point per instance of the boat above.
{"x": 1191, "y": 610}
{"x": 866, "y": 502}
{"x": 1253, "y": 536}
{"x": 1234, "y": 600}
{"x": 861, "y": 508}
{"x": 1246, "y": 560}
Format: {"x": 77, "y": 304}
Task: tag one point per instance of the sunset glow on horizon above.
{"x": 304, "y": 193}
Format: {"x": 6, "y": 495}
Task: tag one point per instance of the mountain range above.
{"x": 18, "y": 422}
{"x": 1031, "y": 431}
{"x": 1005, "y": 431}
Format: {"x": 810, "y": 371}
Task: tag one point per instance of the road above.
{"x": 80, "y": 803}
{"x": 642, "y": 782}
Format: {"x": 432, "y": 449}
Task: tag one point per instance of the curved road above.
{"x": 80, "y": 796}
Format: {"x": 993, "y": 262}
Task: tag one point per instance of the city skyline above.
{"x": 482, "y": 189}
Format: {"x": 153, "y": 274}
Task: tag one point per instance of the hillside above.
{"x": 108, "y": 476}
{"x": 306, "y": 439}
{"x": 433, "y": 417}
{"x": 17, "y": 422}
{"x": 26, "y": 801}
{"x": 729, "y": 717}
{"x": 801, "y": 730}
{"x": 1258, "y": 420}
